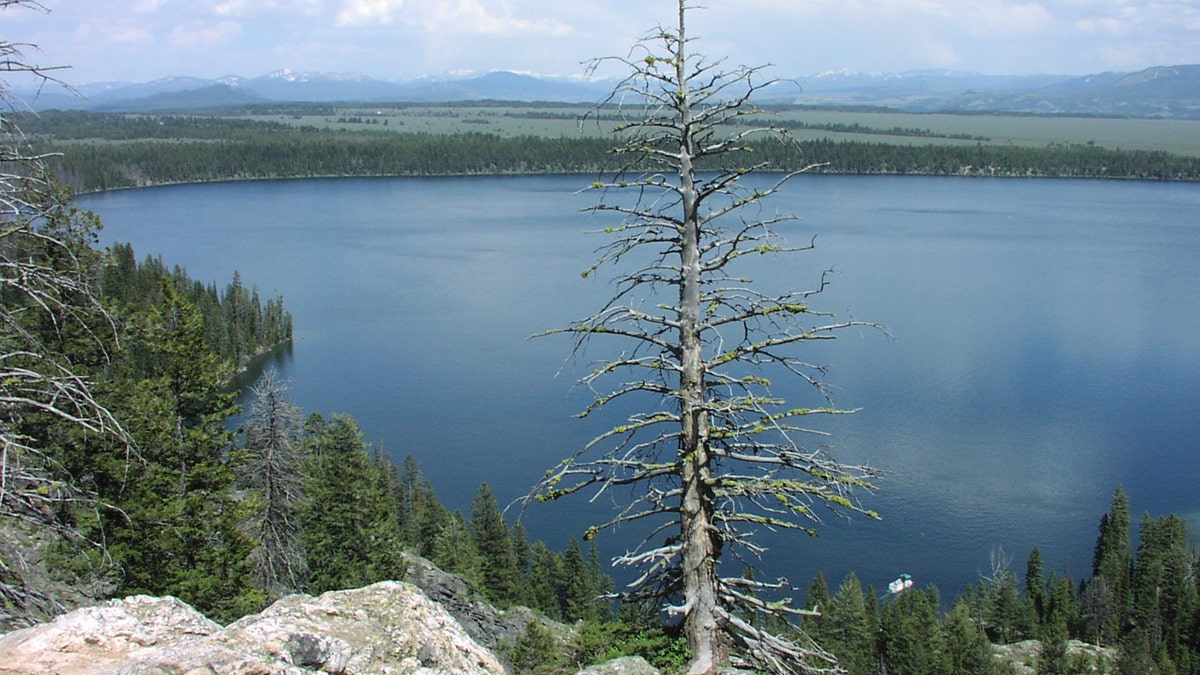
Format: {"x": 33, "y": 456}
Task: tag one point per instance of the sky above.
{"x": 144, "y": 40}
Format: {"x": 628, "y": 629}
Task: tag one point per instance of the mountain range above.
{"x": 1165, "y": 91}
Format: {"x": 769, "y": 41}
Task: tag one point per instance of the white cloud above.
{"x": 1099, "y": 25}
{"x": 367, "y": 12}
{"x": 998, "y": 20}
{"x": 408, "y": 38}
{"x": 204, "y": 35}
{"x": 470, "y": 17}
{"x": 130, "y": 35}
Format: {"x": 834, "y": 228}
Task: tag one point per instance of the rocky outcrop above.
{"x": 1022, "y": 657}
{"x": 386, "y": 627}
{"x": 495, "y": 629}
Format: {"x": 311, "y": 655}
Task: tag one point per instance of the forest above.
{"x": 104, "y": 151}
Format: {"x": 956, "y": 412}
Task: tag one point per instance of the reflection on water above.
{"x": 1043, "y": 353}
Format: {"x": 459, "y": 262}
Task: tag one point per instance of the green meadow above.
{"x": 1181, "y": 137}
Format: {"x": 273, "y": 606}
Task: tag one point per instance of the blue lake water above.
{"x": 1046, "y": 342}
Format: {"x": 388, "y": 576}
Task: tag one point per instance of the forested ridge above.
{"x": 108, "y": 151}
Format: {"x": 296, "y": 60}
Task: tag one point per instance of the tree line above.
{"x": 108, "y": 151}
{"x": 238, "y": 325}
{"x": 1140, "y": 602}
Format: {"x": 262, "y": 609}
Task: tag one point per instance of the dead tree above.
{"x": 45, "y": 291}
{"x": 272, "y": 469}
{"x": 713, "y": 456}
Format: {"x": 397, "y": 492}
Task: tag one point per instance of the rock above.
{"x": 385, "y": 625}
{"x": 626, "y": 665}
{"x": 102, "y": 639}
{"x": 1022, "y": 657}
{"x": 389, "y": 627}
{"x": 495, "y": 629}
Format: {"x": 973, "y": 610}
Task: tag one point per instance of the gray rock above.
{"x": 626, "y": 665}
{"x": 389, "y": 627}
{"x": 490, "y": 627}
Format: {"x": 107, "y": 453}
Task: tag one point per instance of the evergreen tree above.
{"x": 521, "y": 548}
{"x": 1035, "y": 585}
{"x": 1113, "y": 562}
{"x": 580, "y": 590}
{"x": 536, "y": 651}
{"x": 453, "y": 550}
{"x": 910, "y": 640}
{"x": 816, "y": 600}
{"x": 847, "y": 630}
{"x": 1053, "y": 659}
{"x": 968, "y": 649}
{"x": 180, "y": 532}
{"x": 1164, "y": 590}
{"x": 601, "y": 583}
{"x": 1135, "y": 658}
{"x": 1062, "y": 608}
{"x": 421, "y": 513}
{"x": 499, "y": 571}
{"x": 1095, "y": 604}
{"x": 545, "y": 589}
{"x": 349, "y": 531}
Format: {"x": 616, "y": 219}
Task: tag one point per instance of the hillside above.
{"x": 1159, "y": 92}
{"x": 430, "y": 623}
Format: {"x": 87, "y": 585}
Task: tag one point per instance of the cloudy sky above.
{"x": 141, "y": 40}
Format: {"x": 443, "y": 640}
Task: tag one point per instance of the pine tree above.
{"x": 1165, "y": 602}
{"x": 180, "y": 532}
{"x": 847, "y": 630}
{"x": 523, "y": 553}
{"x": 816, "y": 600}
{"x": 421, "y": 513}
{"x": 546, "y": 578}
{"x": 1035, "y": 585}
{"x": 1062, "y": 607}
{"x": 1113, "y": 562}
{"x": 1135, "y": 658}
{"x": 910, "y": 640}
{"x": 350, "y": 531}
{"x": 967, "y": 647}
{"x": 1095, "y": 605}
{"x": 498, "y": 561}
{"x": 579, "y": 588}
{"x": 453, "y": 550}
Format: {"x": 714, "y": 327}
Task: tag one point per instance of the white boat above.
{"x": 903, "y": 583}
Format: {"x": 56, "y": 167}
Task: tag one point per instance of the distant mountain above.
{"x": 288, "y": 85}
{"x": 1169, "y": 91}
{"x": 1172, "y": 91}
{"x": 206, "y": 98}
{"x": 506, "y": 86}
{"x": 177, "y": 93}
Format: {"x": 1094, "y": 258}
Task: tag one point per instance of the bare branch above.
{"x": 713, "y": 457}
{"x": 47, "y": 299}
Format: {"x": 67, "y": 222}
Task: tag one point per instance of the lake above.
{"x": 1044, "y": 350}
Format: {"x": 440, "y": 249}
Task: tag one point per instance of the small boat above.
{"x": 903, "y": 583}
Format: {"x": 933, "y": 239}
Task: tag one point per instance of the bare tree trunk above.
{"x": 699, "y": 555}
